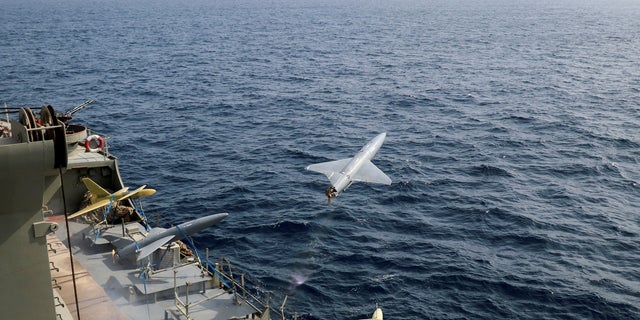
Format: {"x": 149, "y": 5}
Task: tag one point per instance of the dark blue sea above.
{"x": 513, "y": 141}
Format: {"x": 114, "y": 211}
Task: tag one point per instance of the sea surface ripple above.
{"x": 513, "y": 141}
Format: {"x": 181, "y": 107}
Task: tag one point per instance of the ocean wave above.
{"x": 488, "y": 170}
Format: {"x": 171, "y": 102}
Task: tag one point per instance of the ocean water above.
{"x": 513, "y": 141}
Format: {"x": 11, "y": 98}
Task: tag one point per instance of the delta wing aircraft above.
{"x": 342, "y": 173}
{"x": 127, "y": 248}
{"x": 102, "y": 198}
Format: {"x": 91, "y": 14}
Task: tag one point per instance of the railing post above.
{"x": 244, "y": 290}
{"x": 216, "y": 277}
{"x": 187, "y": 299}
{"x": 282, "y": 307}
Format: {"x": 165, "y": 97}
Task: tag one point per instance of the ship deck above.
{"x": 111, "y": 289}
{"x": 79, "y": 158}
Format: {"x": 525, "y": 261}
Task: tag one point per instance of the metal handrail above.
{"x": 247, "y": 296}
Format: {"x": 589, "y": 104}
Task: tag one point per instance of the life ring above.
{"x": 95, "y": 137}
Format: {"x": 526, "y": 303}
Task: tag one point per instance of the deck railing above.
{"x": 224, "y": 278}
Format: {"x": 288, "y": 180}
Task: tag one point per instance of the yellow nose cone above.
{"x": 144, "y": 193}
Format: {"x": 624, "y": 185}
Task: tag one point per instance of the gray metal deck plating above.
{"x": 124, "y": 289}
